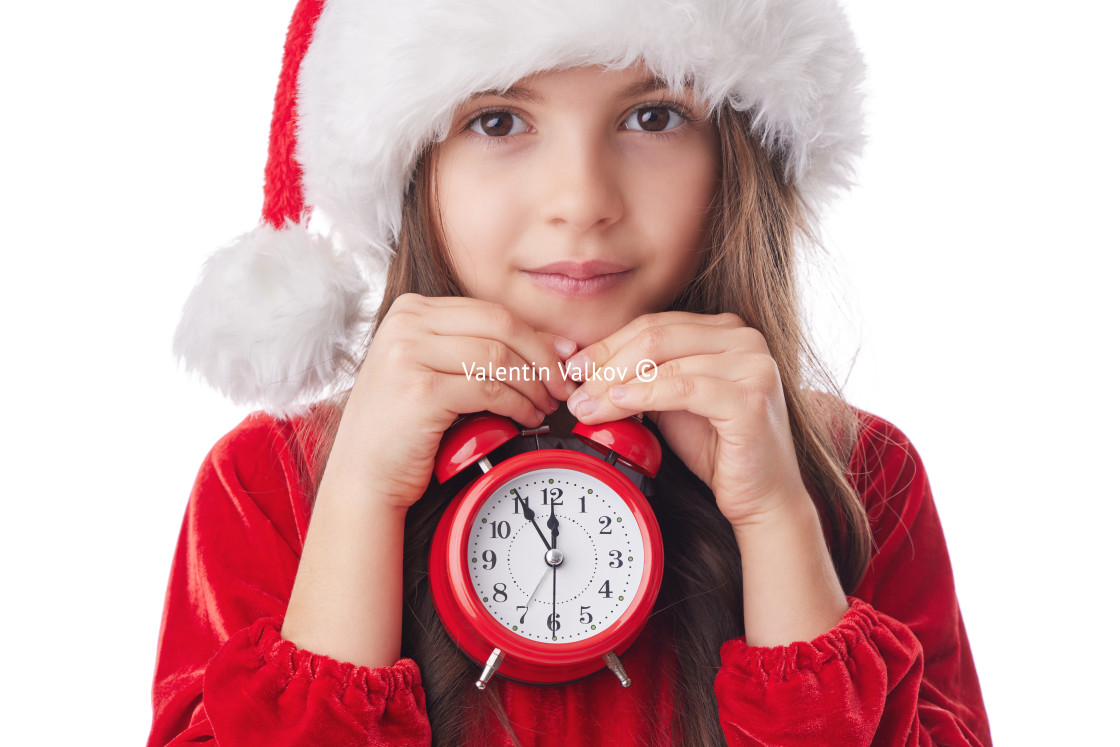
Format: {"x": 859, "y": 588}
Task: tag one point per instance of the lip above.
{"x": 580, "y": 270}
{"x": 578, "y": 279}
{"x": 574, "y": 287}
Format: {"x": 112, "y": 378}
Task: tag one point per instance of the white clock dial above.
{"x": 597, "y": 536}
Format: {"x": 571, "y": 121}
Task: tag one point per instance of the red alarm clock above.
{"x": 546, "y": 566}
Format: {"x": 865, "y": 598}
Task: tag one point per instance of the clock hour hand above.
{"x": 532, "y": 516}
{"x": 553, "y": 524}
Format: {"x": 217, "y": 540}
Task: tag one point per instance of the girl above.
{"x": 580, "y": 183}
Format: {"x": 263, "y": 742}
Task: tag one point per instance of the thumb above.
{"x": 564, "y": 347}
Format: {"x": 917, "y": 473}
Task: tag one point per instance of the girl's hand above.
{"x": 717, "y": 400}
{"x": 414, "y": 382}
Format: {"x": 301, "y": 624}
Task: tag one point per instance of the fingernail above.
{"x": 564, "y": 346}
{"x": 618, "y": 392}
{"x": 582, "y": 404}
{"x": 540, "y": 415}
{"x": 552, "y": 403}
{"x": 578, "y": 361}
{"x": 577, "y": 402}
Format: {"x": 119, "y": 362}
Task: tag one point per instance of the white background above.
{"x": 973, "y": 268}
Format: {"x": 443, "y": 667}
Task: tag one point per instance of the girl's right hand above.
{"x": 414, "y": 383}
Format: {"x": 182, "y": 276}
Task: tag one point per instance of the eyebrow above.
{"x": 648, "y": 85}
{"x": 515, "y": 92}
{"x": 529, "y": 96}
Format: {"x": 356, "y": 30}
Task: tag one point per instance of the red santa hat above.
{"x": 366, "y": 85}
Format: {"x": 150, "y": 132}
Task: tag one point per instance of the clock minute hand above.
{"x": 532, "y": 516}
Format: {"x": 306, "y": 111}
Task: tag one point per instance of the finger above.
{"x": 479, "y": 359}
{"x": 662, "y": 337}
{"x": 717, "y": 400}
{"x": 607, "y": 347}
{"x": 495, "y": 322}
{"x": 492, "y": 396}
{"x": 688, "y": 384}
{"x": 657, "y": 346}
{"x": 732, "y": 366}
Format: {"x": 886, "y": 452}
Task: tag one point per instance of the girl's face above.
{"x": 579, "y": 198}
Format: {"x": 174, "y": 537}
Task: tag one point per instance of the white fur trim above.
{"x": 270, "y": 319}
{"x": 381, "y": 79}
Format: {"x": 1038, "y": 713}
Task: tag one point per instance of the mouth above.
{"x": 578, "y": 279}
{"x": 580, "y": 270}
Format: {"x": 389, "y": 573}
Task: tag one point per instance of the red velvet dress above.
{"x": 896, "y": 670}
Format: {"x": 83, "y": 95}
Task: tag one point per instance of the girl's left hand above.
{"x": 716, "y": 398}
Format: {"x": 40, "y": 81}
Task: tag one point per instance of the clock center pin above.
{"x": 554, "y": 558}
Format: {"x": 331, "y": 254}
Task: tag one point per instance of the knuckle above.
{"x": 407, "y": 301}
{"x": 496, "y": 352}
{"x": 502, "y": 321}
{"x": 767, "y": 376}
{"x": 653, "y": 341}
{"x": 491, "y": 389}
{"x": 396, "y": 352}
{"x": 730, "y": 319}
{"x": 646, "y": 321}
{"x": 751, "y": 339}
{"x": 683, "y": 387}
{"x": 424, "y": 384}
{"x": 669, "y": 369}
{"x": 398, "y": 319}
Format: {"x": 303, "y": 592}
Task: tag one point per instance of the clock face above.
{"x": 593, "y": 575}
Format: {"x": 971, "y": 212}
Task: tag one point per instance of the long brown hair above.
{"x": 757, "y": 224}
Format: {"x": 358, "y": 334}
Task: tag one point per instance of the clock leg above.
{"x": 491, "y": 667}
{"x": 615, "y": 666}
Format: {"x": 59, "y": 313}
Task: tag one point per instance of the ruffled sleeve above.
{"x": 223, "y": 672}
{"x": 897, "y": 669}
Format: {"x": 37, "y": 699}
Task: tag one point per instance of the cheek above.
{"x": 676, "y": 212}
{"x": 676, "y": 189}
{"x": 478, "y": 219}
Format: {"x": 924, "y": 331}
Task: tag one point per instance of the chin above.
{"x": 584, "y": 334}
{"x": 583, "y": 322}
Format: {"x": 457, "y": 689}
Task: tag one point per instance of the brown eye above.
{"x": 498, "y": 124}
{"x": 654, "y": 119}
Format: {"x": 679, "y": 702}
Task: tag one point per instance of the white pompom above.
{"x": 274, "y": 315}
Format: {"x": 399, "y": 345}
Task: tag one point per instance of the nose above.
{"x": 581, "y": 185}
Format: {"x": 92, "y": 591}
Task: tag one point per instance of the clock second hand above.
{"x": 537, "y": 588}
{"x": 553, "y": 558}
{"x": 531, "y": 516}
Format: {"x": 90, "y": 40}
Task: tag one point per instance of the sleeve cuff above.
{"x": 785, "y": 662}
{"x": 378, "y": 683}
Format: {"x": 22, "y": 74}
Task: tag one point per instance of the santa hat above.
{"x": 366, "y": 85}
